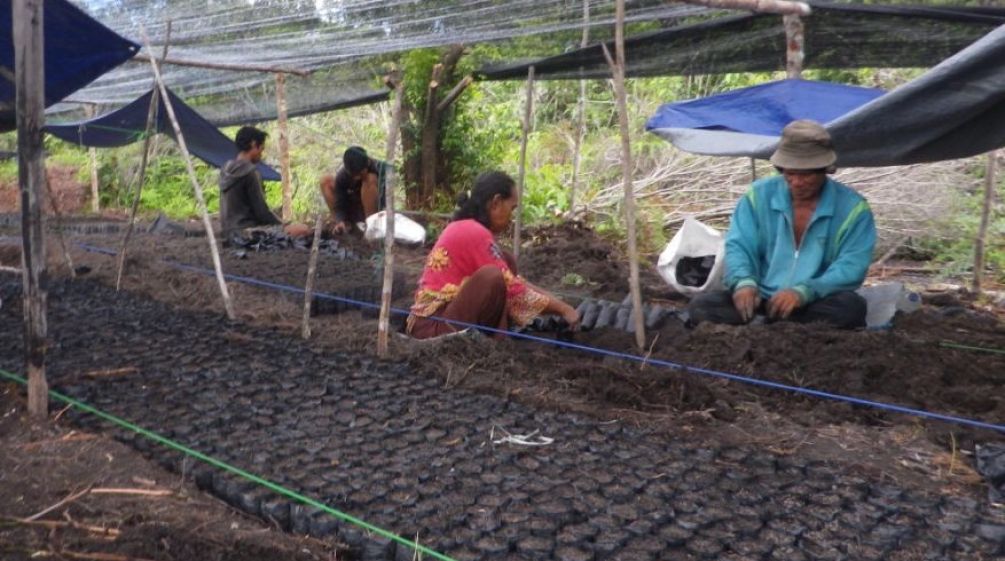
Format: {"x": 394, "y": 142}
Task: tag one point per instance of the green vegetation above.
{"x": 484, "y": 133}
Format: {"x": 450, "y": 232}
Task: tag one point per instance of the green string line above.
{"x": 971, "y": 348}
{"x": 235, "y": 470}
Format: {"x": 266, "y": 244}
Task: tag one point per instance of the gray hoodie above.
{"x": 242, "y": 201}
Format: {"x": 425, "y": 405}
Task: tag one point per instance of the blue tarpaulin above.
{"x": 727, "y": 124}
{"x": 955, "y": 110}
{"x": 77, "y": 50}
{"x": 128, "y": 125}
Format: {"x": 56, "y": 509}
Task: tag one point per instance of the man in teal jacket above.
{"x": 799, "y": 243}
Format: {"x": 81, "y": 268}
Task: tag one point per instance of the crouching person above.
{"x": 799, "y": 243}
{"x": 469, "y": 279}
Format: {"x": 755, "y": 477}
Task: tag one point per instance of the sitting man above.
{"x": 356, "y": 191}
{"x": 242, "y": 199}
{"x": 799, "y": 243}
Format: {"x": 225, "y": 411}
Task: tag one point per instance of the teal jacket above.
{"x": 834, "y": 254}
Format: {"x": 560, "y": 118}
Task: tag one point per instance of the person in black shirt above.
{"x": 242, "y": 199}
{"x": 354, "y": 193}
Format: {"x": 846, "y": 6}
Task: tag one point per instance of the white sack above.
{"x": 694, "y": 239}
{"x": 406, "y": 230}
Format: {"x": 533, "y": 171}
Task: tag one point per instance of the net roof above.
{"x": 349, "y": 44}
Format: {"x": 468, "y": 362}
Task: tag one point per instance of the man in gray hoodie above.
{"x": 242, "y": 199}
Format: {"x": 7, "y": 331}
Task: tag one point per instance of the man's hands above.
{"x": 746, "y": 300}
{"x": 340, "y": 227}
{"x": 783, "y": 303}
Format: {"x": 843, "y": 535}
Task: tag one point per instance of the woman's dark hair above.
{"x": 245, "y": 135}
{"x": 475, "y": 203}
{"x": 355, "y": 159}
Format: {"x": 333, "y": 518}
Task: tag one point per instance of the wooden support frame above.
{"x": 384, "y": 319}
{"x": 580, "y": 116}
{"x": 224, "y": 66}
{"x": 284, "y": 146}
{"x": 200, "y": 199}
{"x": 147, "y": 140}
{"x": 618, "y": 69}
{"x": 312, "y": 270}
{"x": 528, "y": 115}
{"x": 990, "y": 186}
{"x": 92, "y": 152}
{"x": 794, "y": 35}
{"x": 29, "y": 77}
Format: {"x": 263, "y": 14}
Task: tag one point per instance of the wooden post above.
{"x": 383, "y": 323}
{"x": 210, "y": 236}
{"x": 312, "y": 267}
{"x": 528, "y": 113}
{"x": 990, "y": 186}
{"x": 618, "y": 68}
{"x": 793, "y": 46}
{"x": 30, "y": 106}
{"x": 93, "y": 153}
{"x": 59, "y": 230}
{"x": 580, "y": 115}
{"x": 284, "y": 145}
{"x": 753, "y": 170}
{"x": 147, "y": 140}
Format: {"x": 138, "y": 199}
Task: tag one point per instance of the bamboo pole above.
{"x": 753, "y": 170}
{"x": 284, "y": 145}
{"x": 383, "y": 323}
{"x": 200, "y": 199}
{"x": 793, "y": 46}
{"x": 30, "y": 87}
{"x": 312, "y": 268}
{"x": 93, "y": 153}
{"x": 618, "y": 69}
{"x": 147, "y": 137}
{"x": 528, "y": 113}
{"x": 227, "y": 66}
{"x": 990, "y": 186}
{"x": 580, "y": 115}
{"x": 763, "y": 6}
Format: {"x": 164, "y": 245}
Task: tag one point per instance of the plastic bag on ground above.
{"x": 406, "y": 230}
{"x": 693, "y": 261}
{"x": 885, "y": 300}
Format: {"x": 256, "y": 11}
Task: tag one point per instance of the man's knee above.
{"x": 844, "y": 310}
{"x": 490, "y": 276}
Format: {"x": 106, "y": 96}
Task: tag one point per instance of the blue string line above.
{"x": 605, "y": 352}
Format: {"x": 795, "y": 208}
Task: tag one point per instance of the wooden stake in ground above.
{"x": 528, "y": 114}
{"x": 284, "y": 145}
{"x": 312, "y": 268}
{"x": 384, "y": 321}
{"x": 990, "y": 185}
{"x": 200, "y": 199}
{"x": 618, "y": 69}
{"x": 793, "y": 46}
{"x": 59, "y": 230}
{"x": 30, "y": 105}
{"x": 93, "y": 153}
{"x": 147, "y": 138}
{"x": 580, "y": 115}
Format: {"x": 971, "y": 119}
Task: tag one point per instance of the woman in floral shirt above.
{"x": 469, "y": 279}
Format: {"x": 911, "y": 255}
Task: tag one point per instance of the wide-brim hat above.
{"x": 805, "y": 145}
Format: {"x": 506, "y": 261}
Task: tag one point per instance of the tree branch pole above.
{"x": 210, "y": 236}
{"x": 794, "y": 34}
{"x": 30, "y": 87}
{"x": 284, "y": 145}
{"x": 453, "y": 94}
{"x": 224, "y": 66}
{"x": 93, "y": 153}
{"x": 580, "y": 115}
{"x": 312, "y": 269}
{"x": 763, "y": 6}
{"x": 147, "y": 138}
{"x": 990, "y": 186}
{"x": 618, "y": 68}
{"x": 59, "y": 230}
{"x": 528, "y": 114}
{"x": 384, "y": 321}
